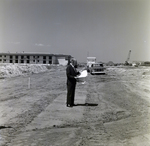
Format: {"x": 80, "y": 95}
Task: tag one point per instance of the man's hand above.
{"x": 79, "y": 73}
{"x": 77, "y": 79}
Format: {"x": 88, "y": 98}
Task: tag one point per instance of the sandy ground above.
{"x": 112, "y": 109}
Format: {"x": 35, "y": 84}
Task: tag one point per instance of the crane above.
{"x": 127, "y": 61}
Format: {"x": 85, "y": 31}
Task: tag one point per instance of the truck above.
{"x": 94, "y": 68}
{"x": 97, "y": 69}
{"x": 90, "y": 61}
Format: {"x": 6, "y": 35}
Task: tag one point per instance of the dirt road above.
{"x": 112, "y": 109}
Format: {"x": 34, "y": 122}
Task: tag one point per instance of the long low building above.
{"x": 34, "y": 58}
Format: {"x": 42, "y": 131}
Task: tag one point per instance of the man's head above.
{"x": 74, "y": 62}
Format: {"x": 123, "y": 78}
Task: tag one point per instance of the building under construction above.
{"x": 34, "y": 58}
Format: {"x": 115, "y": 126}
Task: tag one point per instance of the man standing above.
{"x": 71, "y": 73}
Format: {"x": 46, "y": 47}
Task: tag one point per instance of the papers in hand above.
{"x": 83, "y": 74}
{"x": 81, "y": 78}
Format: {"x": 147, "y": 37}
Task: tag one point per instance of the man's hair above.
{"x": 73, "y": 61}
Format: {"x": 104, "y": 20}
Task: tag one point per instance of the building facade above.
{"x": 33, "y": 58}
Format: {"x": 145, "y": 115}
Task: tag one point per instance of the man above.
{"x": 71, "y": 73}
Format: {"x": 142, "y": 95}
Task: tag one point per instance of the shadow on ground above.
{"x": 87, "y": 104}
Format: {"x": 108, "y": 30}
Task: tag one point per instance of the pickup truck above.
{"x": 97, "y": 69}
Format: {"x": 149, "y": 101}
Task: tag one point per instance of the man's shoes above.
{"x": 69, "y": 105}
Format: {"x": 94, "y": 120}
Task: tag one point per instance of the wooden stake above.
{"x": 29, "y": 83}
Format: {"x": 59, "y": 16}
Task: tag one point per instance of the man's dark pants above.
{"x": 70, "y": 93}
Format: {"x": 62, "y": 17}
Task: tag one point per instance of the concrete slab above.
{"x": 57, "y": 113}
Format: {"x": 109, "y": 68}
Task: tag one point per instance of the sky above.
{"x": 105, "y": 29}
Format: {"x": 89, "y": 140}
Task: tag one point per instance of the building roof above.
{"x": 34, "y": 54}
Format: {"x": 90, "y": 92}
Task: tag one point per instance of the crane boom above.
{"x": 127, "y": 61}
{"x": 128, "y": 56}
